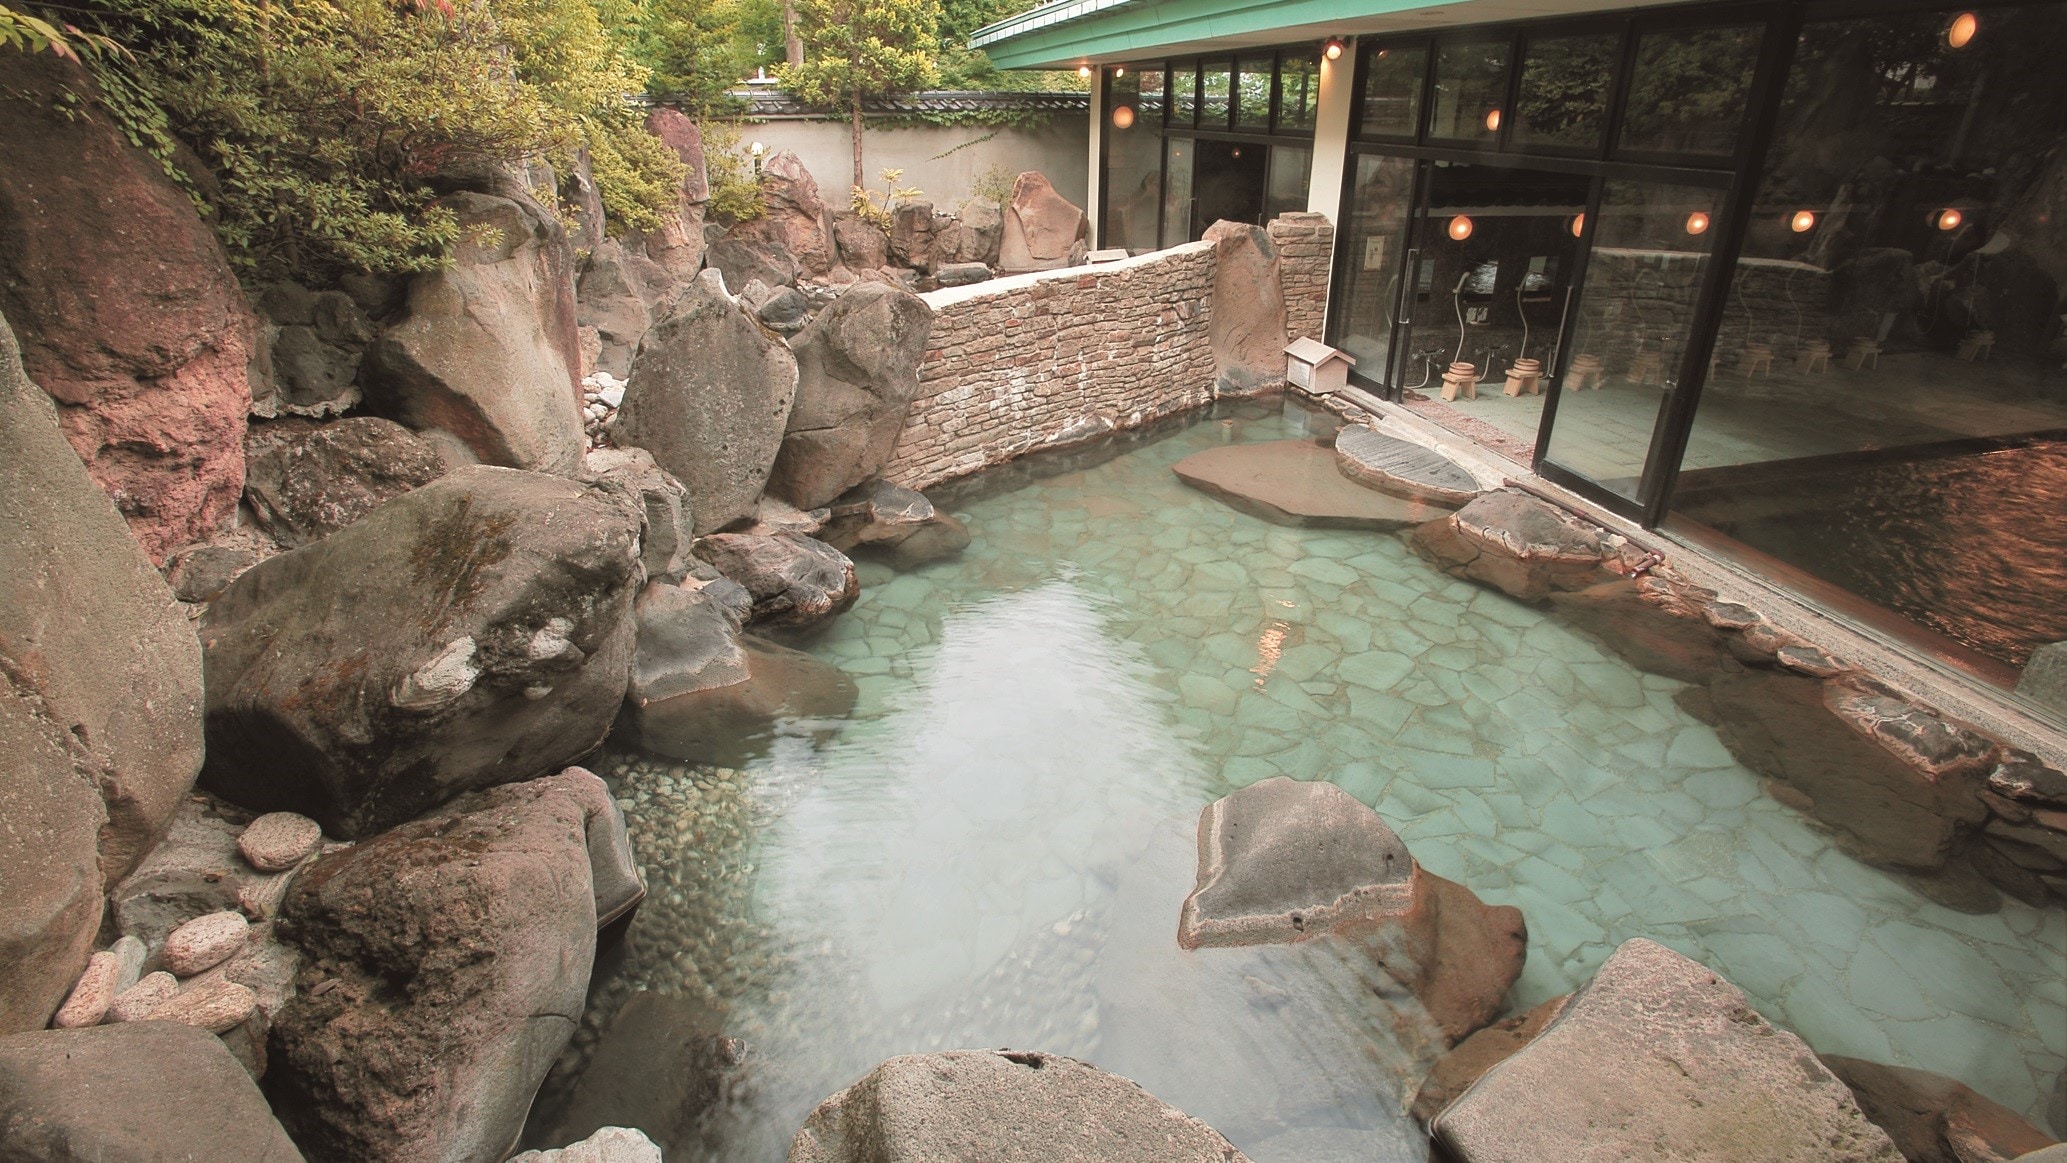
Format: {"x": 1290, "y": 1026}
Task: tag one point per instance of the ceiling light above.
{"x": 1123, "y": 117}
{"x": 1697, "y": 223}
{"x": 1949, "y": 219}
{"x": 1493, "y": 121}
{"x": 1962, "y": 29}
{"x": 1803, "y": 221}
{"x": 1460, "y": 228}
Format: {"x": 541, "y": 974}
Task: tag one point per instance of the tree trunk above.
{"x": 792, "y": 44}
{"x": 858, "y": 183}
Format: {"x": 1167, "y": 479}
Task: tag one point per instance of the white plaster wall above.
{"x": 929, "y": 154}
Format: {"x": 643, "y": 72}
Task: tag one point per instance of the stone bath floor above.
{"x": 992, "y": 851}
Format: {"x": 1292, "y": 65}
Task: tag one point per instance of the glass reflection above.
{"x": 1177, "y": 203}
{"x": 1299, "y": 90}
{"x": 1691, "y": 89}
{"x": 1133, "y": 133}
{"x": 1470, "y": 85}
{"x": 1252, "y": 93}
{"x": 1381, "y": 203}
{"x": 1213, "y": 96}
{"x": 1392, "y": 91}
{"x": 1564, "y": 93}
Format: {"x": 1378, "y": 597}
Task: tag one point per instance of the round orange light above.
{"x": 1962, "y": 29}
{"x": 1697, "y": 223}
{"x": 1460, "y": 228}
{"x": 1493, "y": 121}
{"x": 1950, "y": 219}
{"x": 1120, "y": 71}
{"x": 1123, "y": 117}
{"x": 1578, "y": 225}
{"x": 1083, "y": 70}
{"x": 1235, "y": 152}
{"x": 1803, "y": 221}
{"x": 1334, "y": 50}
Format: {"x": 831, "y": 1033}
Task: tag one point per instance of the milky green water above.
{"x": 993, "y": 850}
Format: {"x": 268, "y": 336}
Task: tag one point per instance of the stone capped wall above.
{"x": 1306, "y": 243}
{"x": 1054, "y": 357}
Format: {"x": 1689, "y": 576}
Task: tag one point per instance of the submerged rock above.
{"x": 894, "y": 523}
{"x": 608, "y": 1145}
{"x": 659, "y": 1066}
{"x": 1652, "y": 637}
{"x": 475, "y": 631}
{"x": 1521, "y": 545}
{"x": 488, "y": 349}
{"x": 308, "y": 486}
{"x": 1295, "y": 482}
{"x": 688, "y": 640}
{"x": 1402, "y": 468}
{"x": 1934, "y": 1119}
{"x": 794, "y": 580}
{"x": 857, "y": 374}
{"x": 721, "y": 724}
{"x": 448, "y": 961}
{"x": 1002, "y": 1106}
{"x": 709, "y": 397}
{"x": 1283, "y": 861}
{"x": 133, "y": 1093}
{"x": 1659, "y": 1058}
{"x": 1469, "y": 1060}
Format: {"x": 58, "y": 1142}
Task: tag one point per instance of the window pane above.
{"x": 1252, "y": 92}
{"x": 1564, "y": 96}
{"x": 1470, "y": 84}
{"x": 1184, "y": 94}
{"x": 1885, "y": 406}
{"x": 1291, "y": 167}
{"x": 1691, "y": 89}
{"x": 1133, "y": 188}
{"x": 1213, "y": 96}
{"x": 1636, "y": 313}
{"x": 1392, "y": 92}
{"x": 1378, "y": 212}
{"x": 1299, "y": 90}
{"x": 1177, "y": 158}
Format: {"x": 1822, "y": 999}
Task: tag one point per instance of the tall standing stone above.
{"x": 1247, "y": 326}
{"x": 1041, "y": 227}
{"x": 794, "y": 216}
{"x": 126, "y": 307}
{"x": 857, "y": 375}
{"x": 488, "y": 349}
{"x": 709, "y": 397}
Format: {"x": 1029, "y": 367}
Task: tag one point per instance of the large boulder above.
{"x": 473, "y": 632}
{"x": 862, "y": 244}
{"x": 127, "y": 309}
{"x": 857, "y": 375}
{"x": 912, "y": 229}
{"x": 447, "y": 964}
{"x": 727, "y": 723}
{"x": 618, "y": 293}
{"x": 974, "y": 236}
{"x": 92, "y": 643}
{"x": 794, "y": 217}
{"x": 48, "y": 860}
{"x": 709, "y": 397}
{"x": 1246, "y": 329}
{"x": 1934, "y": 1119}
{"x": 1041, "y": 227}
{"x": 894, "y": 523}
{"x": 1001, "y": 1106}
{"x": 795, "y": 580}
{"x": 678, "y": 245}
{"x": 1516, "y": 543}
{"x": 1282, "y": 861}
{"x": 317, "y": 340}
{"x": 313, "y": 483}
{"x": 1659, "y": 1058}
{"x": 138, "y": 1092}
{"x": 662, "y": 502}
{"x": 659, "y": 1066}
{"x": 1898, "y": 784}
{"x": 488, "y": 349}
{"x": 688, "y": 640}
{"x": 743, "y": 260}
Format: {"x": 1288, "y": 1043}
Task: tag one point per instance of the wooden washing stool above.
{"x": 1461, "y": 378}
{"x": 1584, "y": 373}
{"x": 1757, "y": 359}
{"x": 1813, "y": 357}
{"x": 1862, "y": 352}
{"x": 1525, "y": 377}
{"x": 1977, "y": 345}
{"x": 1645, "y": 368}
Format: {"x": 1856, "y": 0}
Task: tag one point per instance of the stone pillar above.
{"x": 1306, "y": 244}
{"x": 1094, "y": 174}
{"x": 1331, "y": 134}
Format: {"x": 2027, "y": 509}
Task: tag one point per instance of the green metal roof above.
{"x": 1067, "y": 33}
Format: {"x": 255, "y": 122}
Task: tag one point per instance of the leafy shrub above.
{"x": 735, "y": 188}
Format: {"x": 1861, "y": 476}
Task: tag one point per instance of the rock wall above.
{"x": 1055, "y": 357}
{"x": 1306, "y": 244}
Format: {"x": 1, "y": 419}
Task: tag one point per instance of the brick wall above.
{"x": 1055, "y": 357}
{"x": 1306, "y": 243}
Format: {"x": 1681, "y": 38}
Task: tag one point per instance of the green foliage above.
{"x": 328, "y": 125}
{"x": 882, "y": 210}
{"x": 735, "y": 191}
{"x": 856, "y": 49}
{"x": 27, "y": 32}
{"x": 695, "y": 51}
{"x": 994, "y": 183}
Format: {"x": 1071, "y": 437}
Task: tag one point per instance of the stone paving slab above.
{"x": 1401, "y": 468}
{"x": 1295, "y": 482}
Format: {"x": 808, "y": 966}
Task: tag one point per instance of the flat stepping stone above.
{"x": 1295, "y": 482}
{"x": 1401, "y": 468}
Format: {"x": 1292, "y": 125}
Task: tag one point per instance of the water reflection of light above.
{"x": 1269, "y": 648}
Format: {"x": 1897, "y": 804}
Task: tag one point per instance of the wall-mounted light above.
{"x": 1949, "y": 219}
{"x": 1119, "y": 71}
{"x": 1123, "y": 117}
{"x": 1578, "y": 225}
{"x": 1460, "y": 228}
{"x": 1802, "y": 222}
{"x": 1334, "y": 49}
{"x": 1962, "y": 29}
{"x": 757, "y": 149}
{"x": 1084, "y": 71}
{"x": 1697, "y": 223}
{"x": 1492, "y": 121}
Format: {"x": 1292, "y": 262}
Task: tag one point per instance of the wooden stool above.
{"x": 1462, "y": 377}
{"x": 1584, "y": 372}
{"x": 1757, "y": 358}
{"x": 1525, "y": 377}
{"x": 1862, "y": 352}
{"x": 1810, "y": 357}
{"x": 1977, "y": 345}
{"x": 1644, "y": 368}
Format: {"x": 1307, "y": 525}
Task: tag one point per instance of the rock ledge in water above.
{"x": 1401, "y": 468}
{"x": 1295, "y": 482}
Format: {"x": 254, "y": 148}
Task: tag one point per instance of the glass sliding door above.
{"x": 1634, "y": 322}
{"x": 1375, "y": 255}
{"x": 1133, "y": 186}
